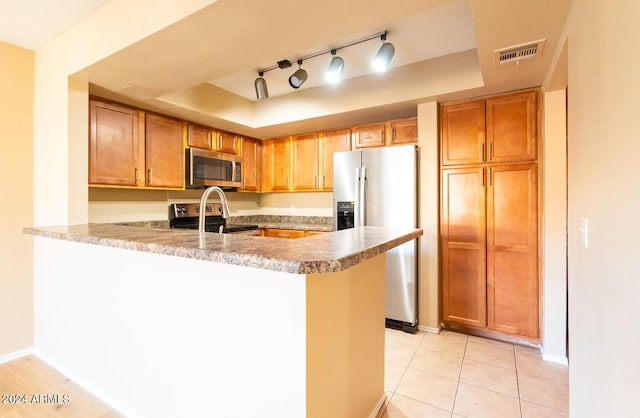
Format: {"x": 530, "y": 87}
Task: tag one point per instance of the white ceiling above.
{"x": 416, "y": 38}
{"x": 202, "y": 68}
{"x": 32, "y": 23}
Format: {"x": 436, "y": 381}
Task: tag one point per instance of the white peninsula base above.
{"x": 163, "y": 336}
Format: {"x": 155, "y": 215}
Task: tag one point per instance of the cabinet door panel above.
{"x": 512, "y": 250}
{"x": 404, "y": 132}
{"x": 164, "y": 152}
{"x": 462, "y": 133}
{"x": 369, "y": 136}
{"x": 226, "y": 142}
{"x": 512, "y": 127}
{"x": 332, "y": 142}
{"x": 463, "y": 246}
{"x": 251, "y": 162}
{"x": 304, "y": 163}
{"x": 115, "y": 147}
{"x": 275, "y": 165}
{"x": 199, "y": 136}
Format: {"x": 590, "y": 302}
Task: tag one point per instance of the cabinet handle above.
{"x": 315, "y": 181}
{"x": 393, "y": 135}
{"x": 483, "y": 177}
{"x": 490, "y": 156}
{"x": 382, "y": 135}
{"x": 490, "y": 176}
{"x": 137, "y": 176}
{"x": 219, "y": 142}
{"x": 482, "y": 151}
{"x": 149, "y": 179}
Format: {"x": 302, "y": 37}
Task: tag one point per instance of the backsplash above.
{"x": 282, "y": 219}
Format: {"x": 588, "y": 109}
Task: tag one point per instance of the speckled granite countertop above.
{"x": 332, "y": 252}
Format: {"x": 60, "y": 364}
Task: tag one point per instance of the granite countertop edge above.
{"x": 324, "y": 253}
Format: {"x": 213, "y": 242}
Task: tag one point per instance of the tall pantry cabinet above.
{"x": 489, "y": 214}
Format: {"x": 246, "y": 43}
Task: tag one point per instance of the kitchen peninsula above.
{"x": 165, "y": 322}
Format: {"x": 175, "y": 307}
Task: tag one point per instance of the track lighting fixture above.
{"x": 334, "y": 72}
{"x": 382, "y": 59}
{"x": 261, "y": 87}
{"x": 335, "y": 68}
{"x": 299, "y": 77}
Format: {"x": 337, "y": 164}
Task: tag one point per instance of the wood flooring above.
{"x": 30, "y": 388}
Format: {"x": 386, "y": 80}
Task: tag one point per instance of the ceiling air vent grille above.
{"x": 517, "y": 53}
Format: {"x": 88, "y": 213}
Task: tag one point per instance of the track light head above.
{"x": 382, "y": 59}
{"x": 299, "y": 77}
{"x": 261, "y": 87}
{"x": 335, "y": 68}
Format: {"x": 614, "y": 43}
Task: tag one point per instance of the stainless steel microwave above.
{"x": 209, "y": 168}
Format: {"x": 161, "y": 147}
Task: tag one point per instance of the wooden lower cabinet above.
{"x": 283, "y": 233}
{"x": 288, "y": 233}
{"x": 489, "y": 241}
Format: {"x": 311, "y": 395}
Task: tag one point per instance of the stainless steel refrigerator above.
{"x": 378, "y": 187}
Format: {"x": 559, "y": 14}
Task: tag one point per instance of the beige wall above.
{"x": 554, "y": 228}
{"x": 58, "y": 119}
{"x": 603, "y": 173}
{"x": 16, "y": 210}
{"x": 428, "y": 275}
{"x": 117, "y": 205}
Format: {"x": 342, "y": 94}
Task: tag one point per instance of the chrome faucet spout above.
{"x": 203, "y": 205}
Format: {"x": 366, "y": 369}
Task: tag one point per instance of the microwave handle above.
{"x": 191, "y": 168}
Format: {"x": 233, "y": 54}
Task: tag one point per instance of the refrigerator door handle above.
{"x": 363, "y": 196}
{"x": 357, "y": 220}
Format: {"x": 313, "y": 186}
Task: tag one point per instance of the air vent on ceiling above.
{"x": 517, "y": 53}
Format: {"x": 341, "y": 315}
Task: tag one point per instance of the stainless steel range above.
{"x": 185, "y": 215}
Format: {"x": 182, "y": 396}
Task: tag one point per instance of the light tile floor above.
{"x": 454, "y": 375}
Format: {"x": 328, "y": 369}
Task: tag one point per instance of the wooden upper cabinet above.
{"x": 275, "y": 165}
{"x": 164, "y": 152}
{"x": 512, "y": 249}
{"x": 227, "y": 142}
{"x": 462, "y": 133}
{"x": 251, "y": 149}
{"x": 463, "y": 243}
{"x": 199, "y": 136}
{"x": 330, "y": 143}
{"x": 116, "y": 145}
{"x": 368, "y": 136}
{"x": 404, "y": 131}
{"x": 304, "y": 162}
{"x": 512, "y": 127}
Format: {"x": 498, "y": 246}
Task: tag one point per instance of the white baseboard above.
{"x": 554, "y": 358}
{"x": 430, "y": 330}
{"x": 378, "y": 408}
{"x": 5, "y": 358}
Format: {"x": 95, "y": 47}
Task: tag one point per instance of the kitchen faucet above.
{"x": 203, "y": 206}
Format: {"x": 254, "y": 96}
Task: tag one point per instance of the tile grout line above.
{"x": 455, "y": 396}
{"x": 515, "y": 362}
